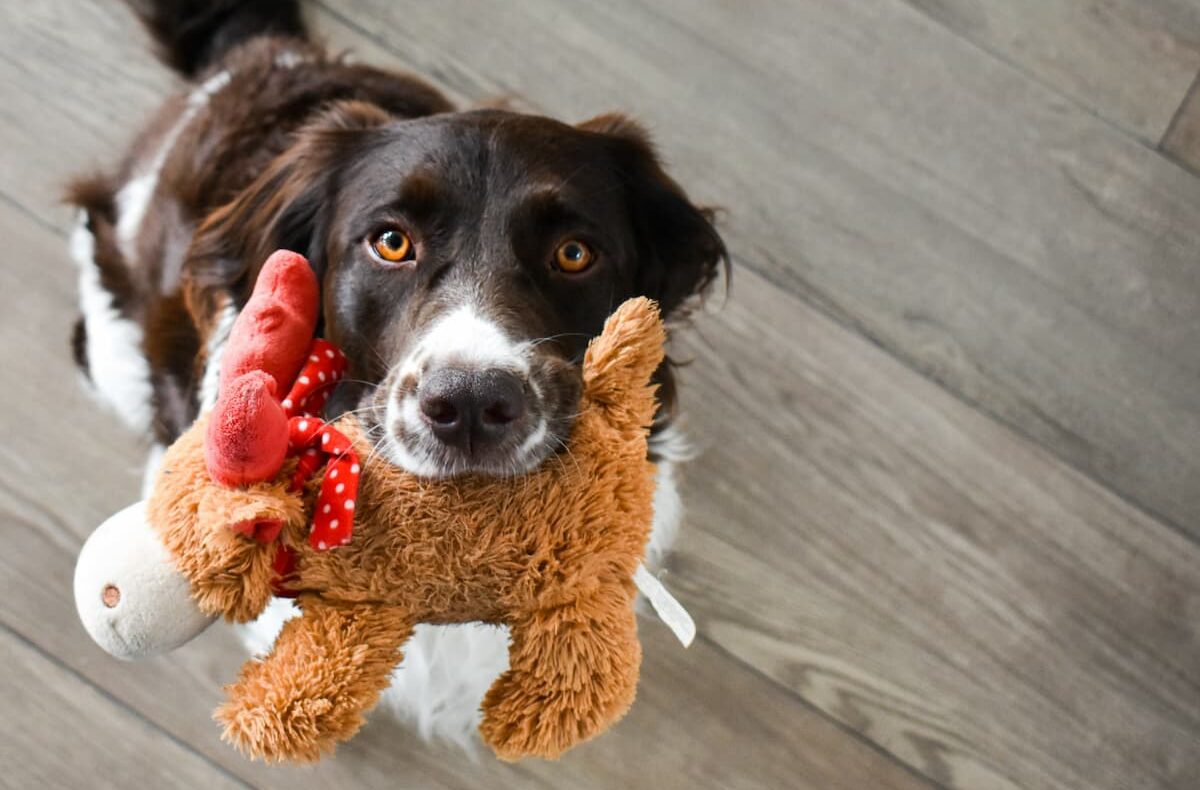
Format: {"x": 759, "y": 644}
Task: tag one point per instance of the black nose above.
{"x": 471, "y": 410}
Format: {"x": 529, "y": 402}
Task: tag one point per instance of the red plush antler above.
{"x": 247, "y": 436}
{"x": 271, "y": 352}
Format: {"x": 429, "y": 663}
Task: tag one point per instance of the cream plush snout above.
{"x": 131, "y": 599}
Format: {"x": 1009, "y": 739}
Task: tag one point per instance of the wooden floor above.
{"x": 945, "y": 527}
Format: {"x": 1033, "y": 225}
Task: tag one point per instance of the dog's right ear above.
{"x": 285, "y": 207}
{"x": 681, "y": 253}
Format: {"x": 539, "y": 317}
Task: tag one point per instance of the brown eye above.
{"x": 573, "y": 256}
{"x": 393, "y": 246}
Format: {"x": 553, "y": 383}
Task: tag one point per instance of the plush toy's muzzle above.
{"x": 131, "y": 598}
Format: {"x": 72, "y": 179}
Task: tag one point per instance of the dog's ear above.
{"x": 285, "y": 207}
{"x": 681, "y": 252}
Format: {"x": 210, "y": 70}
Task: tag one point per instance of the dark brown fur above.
{"x": 261, "y": 166}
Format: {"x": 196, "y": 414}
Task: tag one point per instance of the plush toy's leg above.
{"x": 573, "y": 672}
{"x": 326, "y": 670}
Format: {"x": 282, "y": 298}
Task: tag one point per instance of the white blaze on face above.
{"x": 463, "y": 338}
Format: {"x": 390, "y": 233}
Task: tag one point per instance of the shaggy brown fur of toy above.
{"x": 551, "y": 554}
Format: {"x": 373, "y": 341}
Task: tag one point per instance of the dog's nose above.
{"x": 471, "y": 409}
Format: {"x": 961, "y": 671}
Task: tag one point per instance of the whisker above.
{"x": 357, "y": 412}
{"x": 375, "y": 448}
{"x": 374, "y": 385}
{"x": 537, "y": 341}
{"x": 566, "y": 448}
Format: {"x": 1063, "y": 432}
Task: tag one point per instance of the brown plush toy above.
{"x": 551, "y": 554}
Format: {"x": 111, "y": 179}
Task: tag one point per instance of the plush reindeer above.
{"x": 261, "y": 497}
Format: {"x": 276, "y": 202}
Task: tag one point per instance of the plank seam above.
{"x": 1029, "y": 75}
{"x": 28, "y": 213}
{"x": 813, "y": 300}
{"x": 1188, "y": 95}
{"x": 846, "y": 729}
{"x": 120, "y": 703}
{"x": 1164, "y": 144}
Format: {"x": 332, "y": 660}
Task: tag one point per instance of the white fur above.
{"x": 133, "y": 201}
{"x": 465, "y": 338}
{"x": 461, "y": 338}
{"x": 289, "y": 60}
{"x": 447, "y": 669}
{"x": 409, "y": 459}
{"x": 672, "y": 445}
{"x": 154, "y": 460}
{"x": 215, "y": 350}
{"x": 135, "y": 196}
{"x": 668, "y": 514}
{"x": 117, "y": 368}
{"x": 672, "y": 448}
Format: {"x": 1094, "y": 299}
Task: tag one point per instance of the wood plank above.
{"x": 701, "y": 715}
{"x": 956, "y": 593}
{"x": 909, "y": 567}
{"x": 58, "y": 731}
{"x": 1129, "y": 61}
{"x": 1073, "y": 266}
{"x": 1182, "y": 140}
{"x": 77, "y": 80}
{"x": 177, "y": 692}
{"x": 1000, "y": 240}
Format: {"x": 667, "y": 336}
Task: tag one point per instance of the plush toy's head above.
{"x": 551, "y": 554}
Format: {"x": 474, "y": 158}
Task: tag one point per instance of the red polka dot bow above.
{"x": 316, "y": 443}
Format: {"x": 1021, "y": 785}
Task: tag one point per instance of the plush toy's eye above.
{"x": 393, "y": 246}
{"x": 573, "y": 256}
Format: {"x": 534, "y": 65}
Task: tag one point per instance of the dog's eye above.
{"x": 573, "y": 256}
{"x": 393, "y": 246}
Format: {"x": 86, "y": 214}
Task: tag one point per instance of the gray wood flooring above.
{"x": 944, "y": 529}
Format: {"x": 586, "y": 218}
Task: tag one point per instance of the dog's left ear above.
{"x": 681, "y": 251}
{"x": 286, "y": 207}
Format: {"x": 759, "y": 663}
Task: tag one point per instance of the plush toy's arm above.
{"x": 620, "y": 362}
{"x": 573, "y": 667}
{"x": 573, "y": 672}
{"x": 326, "y": 670}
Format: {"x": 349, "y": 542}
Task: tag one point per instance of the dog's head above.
{"x": 466, "y": 259}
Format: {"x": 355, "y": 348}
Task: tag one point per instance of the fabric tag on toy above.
{"x": 669, "y": 610}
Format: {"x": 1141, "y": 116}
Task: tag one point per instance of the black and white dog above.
{"x": 465, "y": 260}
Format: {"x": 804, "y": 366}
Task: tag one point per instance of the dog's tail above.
{"x": 193, "y": 34}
